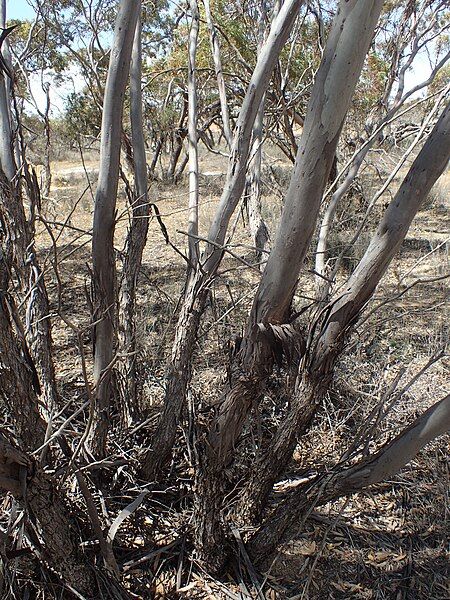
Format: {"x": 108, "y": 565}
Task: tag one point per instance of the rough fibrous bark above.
{"x": 187, "y": 325}
{"x": 135, "y": 242}
{"x": 178, "y": 376}
{"x": 24, "y": 263}
{"x": 48, "y": 515}
{"x": 19, "y": 382}
{"x": 382, "y": 465}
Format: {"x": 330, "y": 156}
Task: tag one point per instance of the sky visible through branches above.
{"x": 23, "y": 10}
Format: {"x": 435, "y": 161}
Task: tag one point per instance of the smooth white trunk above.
{"x": 103, "y": 260}
{"x": 193, "y": 136}
{"x": 217, "y": 59}
{"x": 335, "y": 82}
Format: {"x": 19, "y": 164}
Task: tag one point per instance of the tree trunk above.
{"x": 19, "y": 382}
{"x": 24, "y": 260}
{"x": 7, "y": 161}
{"x": 215, "y": 49}
{"x": 258, "y": 228}
{"x": 103, "y": 260}
{"x": 48, "y": 514}
{"x": 20, "y": 257}
{"x": 193, "y": 139}
{"x": 335, "y": 82}
{"x": 135, "y": 242}
{"x": 270, "y": 466}
{"x": 316, "y": 374}
{"x": 187, "y": 325}
{"x": 381, "y": 466}
{"x": 178, "y": 375}
{"x": 347, "y": 44}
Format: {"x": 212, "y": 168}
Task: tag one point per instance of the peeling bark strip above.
{"x": 48, "y": 515}
{"x": 382, "y": 465}
{"x": 103, "y": 260}
{"x": 136, "y": 240}
{"x": 197, "y": 291}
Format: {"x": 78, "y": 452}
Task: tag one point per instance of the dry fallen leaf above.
{"x": 307, "y": 548}
{"x": 378, "y": 557}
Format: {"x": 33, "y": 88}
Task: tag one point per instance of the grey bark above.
{"x": 257, "y": 226}
{"x": 197, "y": 291}
{"x": 193, "y": 253}
{"x": 135, "y": 242}
{"x": 103, "y": 260}
{"x": 376, "y": 468}
{"x": 7, "y": 161}
{"x": 217, "y": 59}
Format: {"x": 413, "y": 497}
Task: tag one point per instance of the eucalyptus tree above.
{"x": 130, "y": 381}
{"x": 308, "y": 340}
{"x": 335, "y": 82}
{"x": 197, "y": 291}
{"x": 103, "y": 259}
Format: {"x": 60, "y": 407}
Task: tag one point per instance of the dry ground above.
{"x": 388, "y": 543}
